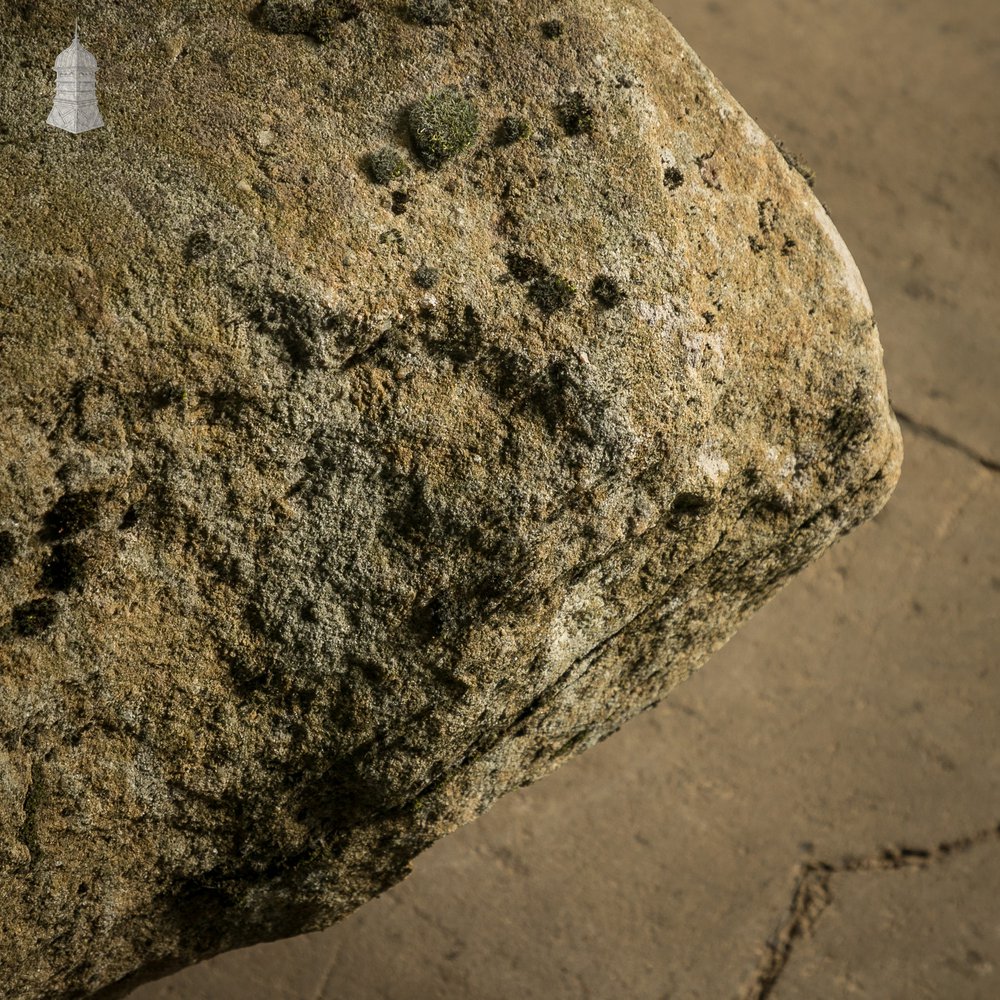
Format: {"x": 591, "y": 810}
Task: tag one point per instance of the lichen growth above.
{"x": 607, "y": 291}
{"x": 386, "y": 165}
{"x": 425, "y": 276}
{"x": 797, "y": 164}
{"x": 442, "y": 125}
{"x": 512, "y": 129}
{"x": 551, "y": 293}
{"x": 576, "y": 115}
{"x": 430, "y": 11}
{"x": 547, "y": 290}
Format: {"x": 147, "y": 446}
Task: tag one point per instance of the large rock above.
{"x": 393, "y": 404}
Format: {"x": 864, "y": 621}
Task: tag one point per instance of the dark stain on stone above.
{"x": 8, "y": 548}
{"x": 225, "y": 406}
{"x": 293, "y": 321}
{"x": 73, "y": 512}
{"x": 33, "y": 618}
{"x": 672, "y": 178}
{"x": 690, "y": 504}
{"x": 166, "y": 394}
{"x": 64, "y": 567}
{"x": 399, "y": 200}
{"x": 129, "y": 518}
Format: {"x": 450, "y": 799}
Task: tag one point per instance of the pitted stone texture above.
{"x": 304, "y": 564}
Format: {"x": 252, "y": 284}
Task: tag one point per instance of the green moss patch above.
{"x": 385, "y": 165}
{"x": 442, "y": 125}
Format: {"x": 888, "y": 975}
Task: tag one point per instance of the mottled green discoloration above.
{"x": 576, "y": 115}
{"x": 430, "y": 11}
{"x": 364, "y": 551}
{"x": 319, "y": 18}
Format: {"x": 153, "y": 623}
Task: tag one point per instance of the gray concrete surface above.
{"x": 728, "y": 845}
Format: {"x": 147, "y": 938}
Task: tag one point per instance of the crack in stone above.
{"x": 918, "y": 427}
{"x": 812, "y": 895}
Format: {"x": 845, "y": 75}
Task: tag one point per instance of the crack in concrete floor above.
{"x": 812, "y": 895}
{"x": 927, "y": 430}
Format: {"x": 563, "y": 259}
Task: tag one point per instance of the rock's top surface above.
{"x": 396, "y": 398}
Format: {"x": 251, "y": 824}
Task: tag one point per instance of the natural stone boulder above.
{"x": 332, "y": 509}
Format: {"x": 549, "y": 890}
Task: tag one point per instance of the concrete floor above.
{"x": 730, "y": 844}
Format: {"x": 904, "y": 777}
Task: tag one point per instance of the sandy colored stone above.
{"x": 353, "y": 558}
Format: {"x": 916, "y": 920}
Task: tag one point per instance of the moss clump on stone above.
{"x": 430, "y": 11}
{"x": 525, "y": 268}
{"x": 426, "y": 277}
{"x": 607, "y": 291}
{"x": 399, "y": 202}
{"x": 285, "y": 17}
{"x": 442, "y": 125}
{"x": 576, "y": 115}
{"x": 546, "y": 289}
{"x": 551, "y": 293}
{"x": 512, "y": 129}
{"x": 552, "y": 29}
{"x": 34, "y": 617}
{"x": 318, "y": 18}
{"x": 385, "y": 165}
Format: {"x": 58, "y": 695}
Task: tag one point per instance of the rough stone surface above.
{"x": 303, "y": 565}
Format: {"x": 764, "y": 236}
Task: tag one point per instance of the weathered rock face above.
{"x": 395, "y": 400}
